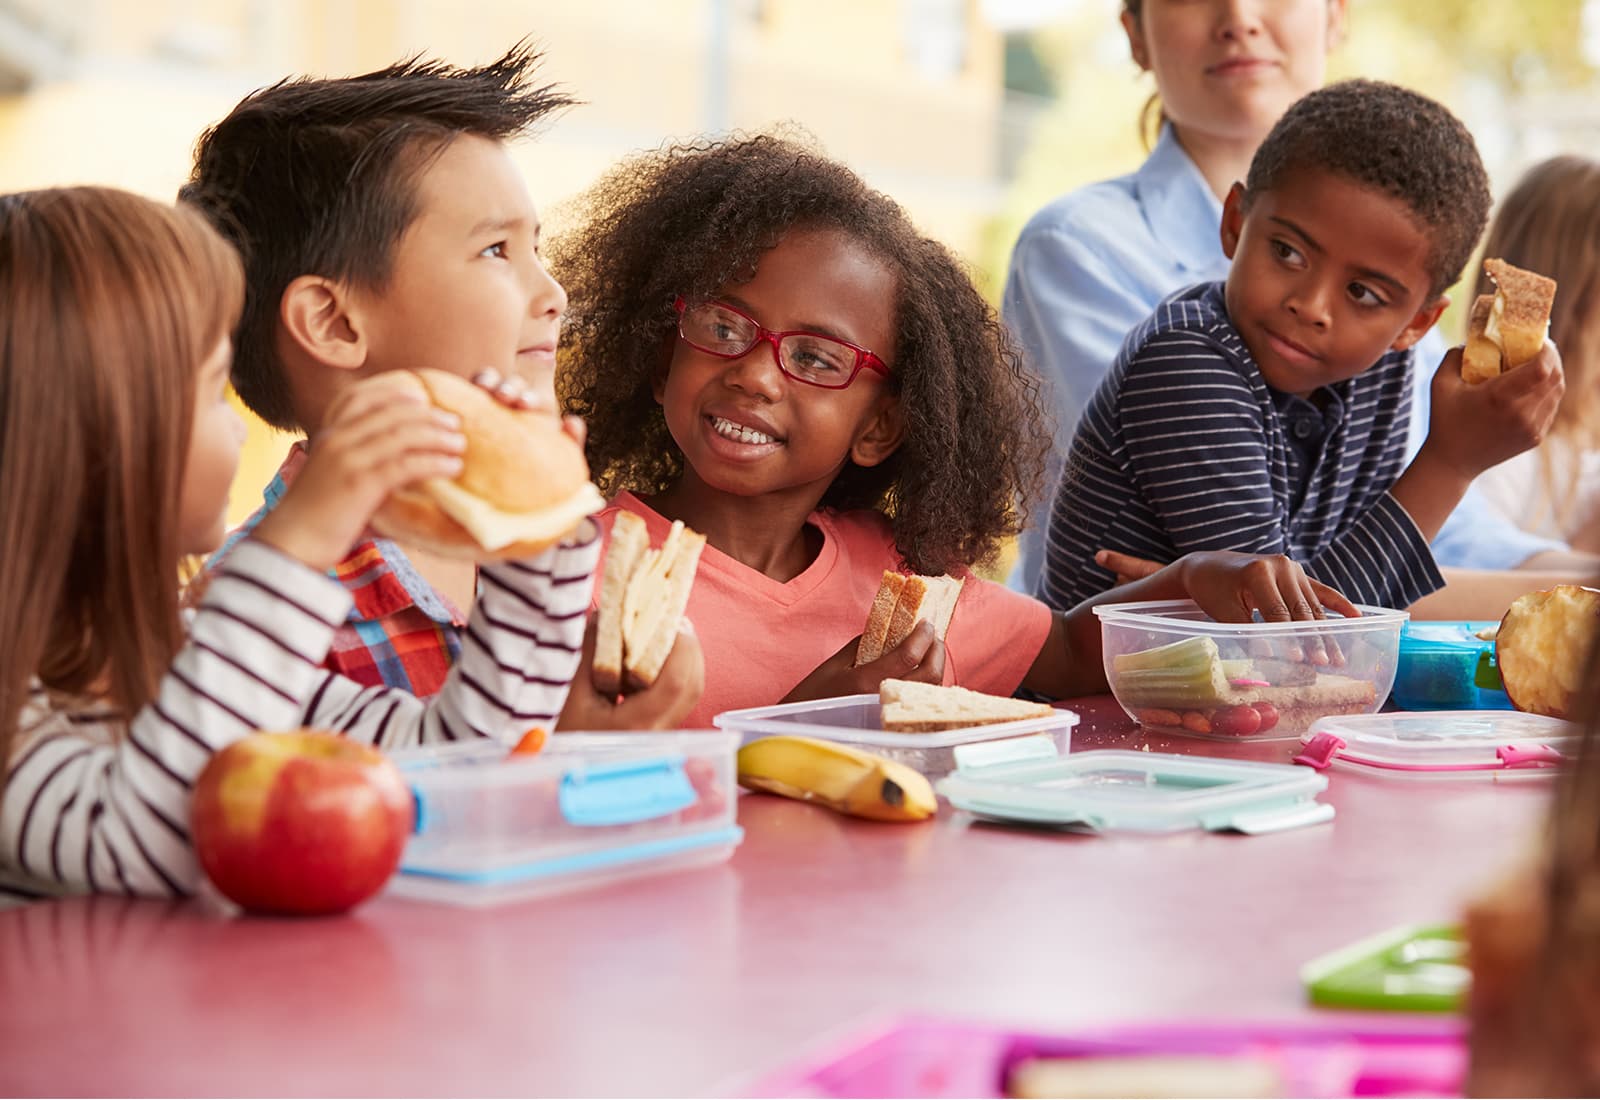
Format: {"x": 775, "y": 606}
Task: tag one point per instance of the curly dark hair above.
{"x": 691, "y": 219}
{"x": 318, "y": 177}
{"x": 1397, "y": 141}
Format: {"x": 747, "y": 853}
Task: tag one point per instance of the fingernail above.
{"x": 446, "y": 419}
{"x": 685, "y": 626}
{"x": 486, "y": 377}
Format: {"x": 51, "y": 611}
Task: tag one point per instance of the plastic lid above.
{"x": 1416, "y": 968}
{"x": 1110, "y": 789}
{"x": 1184, "y": 614}
{"x": 1441, "y": 741}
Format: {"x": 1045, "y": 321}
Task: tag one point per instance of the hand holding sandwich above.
{"x": 380, "y": 435}
{"x": 920, "y": 657}
{"x": 1474, "y": 426}
{"x": 662, "y": 704}
{"x": 461, "y": 470}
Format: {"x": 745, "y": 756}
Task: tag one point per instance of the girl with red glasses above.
{"x": 768, "y": 350}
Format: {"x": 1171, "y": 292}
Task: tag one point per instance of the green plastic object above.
{"x": 1417, "y": 968}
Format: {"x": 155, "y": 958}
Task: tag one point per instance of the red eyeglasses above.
{"x": 808, "y": 357}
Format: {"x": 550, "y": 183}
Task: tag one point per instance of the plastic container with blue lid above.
{"x": 591, "y": 808}
{"x": 1112, "y": 790}
{"x": 1448, "y": 666}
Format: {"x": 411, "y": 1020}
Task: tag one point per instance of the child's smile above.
{"x": 747, "y": 428}
{"x": 1328, "y": 275}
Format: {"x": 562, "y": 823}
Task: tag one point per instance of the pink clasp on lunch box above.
{"x": 1542, "y": 757}
{"x": 1319, "y": 752}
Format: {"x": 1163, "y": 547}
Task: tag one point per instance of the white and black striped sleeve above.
{"x": 519, "y": 652}
{"x": 86, "y": 809}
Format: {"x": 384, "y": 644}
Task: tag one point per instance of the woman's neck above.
{"x": 1222, "y": 161}
{"x": 768, "y": 533}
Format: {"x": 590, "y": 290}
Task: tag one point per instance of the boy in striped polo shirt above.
{"x": 1268, "y": 413}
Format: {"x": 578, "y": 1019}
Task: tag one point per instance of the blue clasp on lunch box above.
{"x": 625, "y": 792}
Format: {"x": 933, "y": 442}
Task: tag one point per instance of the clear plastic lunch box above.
{"x": 591, "y": 808}
{"x": 1108, "y": 790}
{"x": 1442, "y": 744}
{"x": 1447, "y": 666}
{"x": 856, "y": 720}
{"x": 1174, "y": 669}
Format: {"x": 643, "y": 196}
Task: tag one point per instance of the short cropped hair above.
{"x": 318, "y": 177}
{"x": 1394, "y": 140}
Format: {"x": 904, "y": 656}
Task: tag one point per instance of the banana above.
{"x": 837, "y": 776}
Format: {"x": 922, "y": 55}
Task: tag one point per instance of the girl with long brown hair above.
{"x": 118, "y": 447}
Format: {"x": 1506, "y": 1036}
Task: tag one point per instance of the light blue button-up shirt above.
{"x": 1094, "y": 263}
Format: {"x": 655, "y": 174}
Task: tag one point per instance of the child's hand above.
{"x": 517, "y": 394}
{"x": 378, "y": 436}
{"x": 1127, "y": 567}
{"x": 919, "y": 657}
{"x": 1231, "y": 587}
{"x": 1474, "y": 427}
{"x": 661, "y": 706}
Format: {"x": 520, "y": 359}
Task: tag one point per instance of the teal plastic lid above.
{"x": 1416, "y": 968}
{"x": 1115, "y": 790}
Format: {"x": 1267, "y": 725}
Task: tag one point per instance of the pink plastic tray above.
{"x": 929, "y": 1057}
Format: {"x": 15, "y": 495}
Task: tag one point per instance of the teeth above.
{"x": 729, "y": 430}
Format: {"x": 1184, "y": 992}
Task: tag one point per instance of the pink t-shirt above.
{"x": 762, "y": 637}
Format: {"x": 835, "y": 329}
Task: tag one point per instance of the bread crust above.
{"x": 629, "y": 540}
{"x": 870, "y": 647}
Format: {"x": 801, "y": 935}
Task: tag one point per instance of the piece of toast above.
{"x": 908, "y": 706}
{"x": 1512, "y": 327}
{"x": 908, "y": 600}
{"x": 1524, "y": 300}
{"x": 629, "y": 540}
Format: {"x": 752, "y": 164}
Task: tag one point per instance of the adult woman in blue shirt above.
{"x": 1095, "y": 262}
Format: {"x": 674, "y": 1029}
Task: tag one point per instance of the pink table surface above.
{"x": 697, "y": 982}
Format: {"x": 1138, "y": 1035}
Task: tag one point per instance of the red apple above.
{"x": 302, "y": 822}
{"x": 1542, "y": 648}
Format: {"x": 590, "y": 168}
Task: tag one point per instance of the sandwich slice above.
{"x": 911, "y": 707}
{"x": 643, "y": 593}
{"x": 900, "y": 604}
{"x": 1514, "y": 324}
{"x": 629, "y": 541}
{"x": 523, "y": 485}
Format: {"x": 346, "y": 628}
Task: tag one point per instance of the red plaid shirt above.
{"x": 401, "y": 632}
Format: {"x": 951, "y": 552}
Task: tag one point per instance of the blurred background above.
{"x": 972, "y": 113}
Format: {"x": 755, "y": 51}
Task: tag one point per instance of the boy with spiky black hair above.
{"x": 384, "y": 227}
{"x": 1268, "y": 413}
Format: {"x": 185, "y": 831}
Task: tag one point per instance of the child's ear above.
{"x": 882, "y": 434}
{"x": 1336, "y": 23}
{"x": 1418, "y": 326}
{"x": 1136, "y": 45}
{"x": 318, "y": 315}
{"x": 1232, "y": 219}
